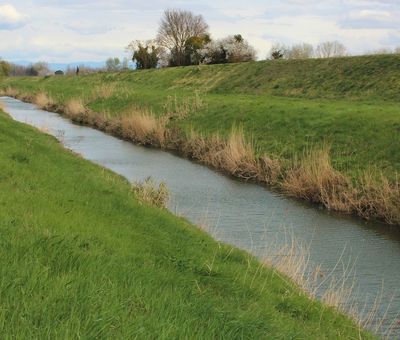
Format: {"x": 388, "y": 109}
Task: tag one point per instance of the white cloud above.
{"x": 10, "y": 18}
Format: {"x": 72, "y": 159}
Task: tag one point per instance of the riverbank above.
{"x": 293, "y": 136}
{"x": 83, "y": 257}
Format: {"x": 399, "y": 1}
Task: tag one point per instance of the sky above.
{"x": 76, "y": 30}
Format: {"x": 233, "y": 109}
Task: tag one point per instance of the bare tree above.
{"x": 300, "y": 51}
{"x": 113, "y": 64}
{"x": 176, "y": 28}
{"x": 397, "y": 50}
{"x": 330, "y": 49}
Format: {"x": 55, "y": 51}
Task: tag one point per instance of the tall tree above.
{"x": 176, "y": 28}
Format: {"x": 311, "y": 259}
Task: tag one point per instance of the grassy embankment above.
{"x": 327, "y": 131}
{"x": 80, "y": 256}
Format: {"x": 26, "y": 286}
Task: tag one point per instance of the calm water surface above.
{"x": 244, "y": 214}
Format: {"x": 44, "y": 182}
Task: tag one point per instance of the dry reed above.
{"x": 314, "y": 179}
{"x": 9, "y": 92}
{"x": 75, "y": 109}
{"x": 144, "y": 127}
{"x": 43, "y": 101}
{"x": 148, "y": 192}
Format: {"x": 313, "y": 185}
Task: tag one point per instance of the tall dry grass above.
{"x": 148, "y": 192}
{"x": 144, "y": 127}
{"x": 9, "y": 92}
{"x": 378, "y": 197}
{"x": 178, "y": 108}
{"x": 314, "y": 179}
{"x": 103, "y": 91}
{"x": 43, "y": 101}
{"x": 75, "y": 109}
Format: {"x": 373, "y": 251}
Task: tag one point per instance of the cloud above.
{"x": 10, "y": 18}
{"x": 87, "y": 28}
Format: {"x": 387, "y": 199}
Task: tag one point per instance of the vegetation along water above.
{"x": 324, "y": 130}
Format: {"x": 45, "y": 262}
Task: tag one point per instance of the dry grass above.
{"x": 43, "y": 101}
{"x": 314, "y": 179}
{"x": 103, "y": 91}
{"x": 237, "y": 156}
{"x": 378, "y": 197}
{"x": 9, "y": 92}
{"x": 175, "y": 108}
{"x": 75, "y": 109}
{"x": 148, "y": 192}
{"x": 144, "y": 127}
{"x": 234, "y": 155}
{"x": 2, "y": 106}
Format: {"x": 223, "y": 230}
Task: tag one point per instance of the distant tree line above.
{"x": 328, "y": 49}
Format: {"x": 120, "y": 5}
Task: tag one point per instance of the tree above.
{"x": 397, "y": 50}
{"x": 146, "y": 54}
{"x": 193, "y": 47}
{"x": 300, "y": 51}
{"x": 233, "y": 49}
{"x": 125, "y": 64}
{"x": 176, "y": 28}
{"x": 330, "y": 49}
{"x": 5, "y": 68}
{"x": 278, "y": 51}
{"x": 113, "y": 64}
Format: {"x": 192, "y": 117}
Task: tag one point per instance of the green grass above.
{"x": 80, "y": 257}
{"x": 284, "y": 106}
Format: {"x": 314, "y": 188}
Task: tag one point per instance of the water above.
{"x": 244, "y": 214}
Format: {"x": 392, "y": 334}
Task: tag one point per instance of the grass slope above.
{"x": 80, "y": 257}
{"x": 284, "y": 106}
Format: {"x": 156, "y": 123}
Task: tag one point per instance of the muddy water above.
{"x": 247, "y": 215}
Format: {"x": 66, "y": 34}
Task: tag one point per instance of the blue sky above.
{"x": 67, "y": 31}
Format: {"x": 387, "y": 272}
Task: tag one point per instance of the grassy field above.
{"x": 285, "y": 108}
{"x": 81, "y": 257}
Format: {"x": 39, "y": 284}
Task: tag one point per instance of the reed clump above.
{"x": 378, "y": 197}
{"x": 148, "y": 192}
{"x": 144, "y": 127}
{"x": 314, "y": 179}
{"x": 43, "y": 101}
{"x": 9, "y": 92}
{"x": 76, "y": 110}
